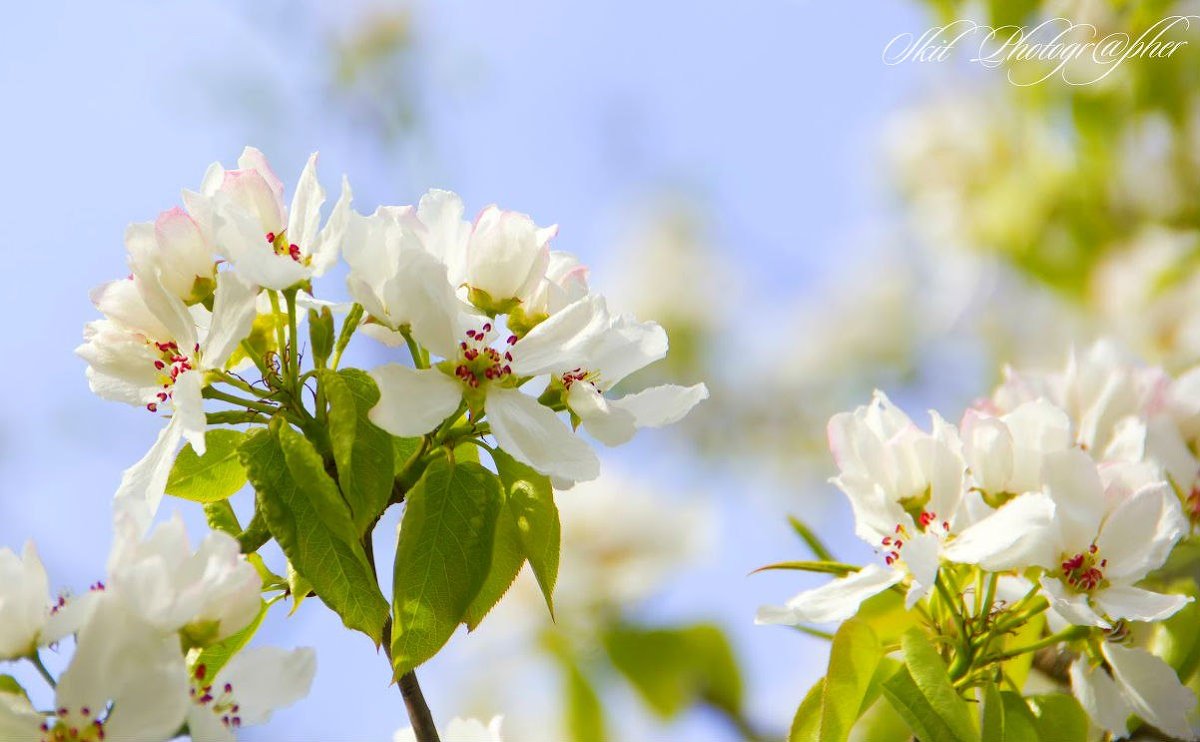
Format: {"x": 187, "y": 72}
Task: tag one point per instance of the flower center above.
{"x": 169, "y": 364}
{"x": 579, "y": 374}
{"x": 1084, "y": 572}
{"x": 220, "y": 702}
{"x": 478, "y": 362}
{"x": 927, "y": 522}
{"x": 1191, "y": 506}
{"x": 279, "y": 243}
{"x": 74, "y": 725}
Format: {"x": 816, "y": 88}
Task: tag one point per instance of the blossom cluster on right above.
{"x": 1056, "y": 498}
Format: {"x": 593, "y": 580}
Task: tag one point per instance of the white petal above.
{"x": 1138, "y": 535}
{"x": 988, "y": 448}
{"x": 626, "y": 346}
{"x": 324, "y": 250}
{"x": 1153, "y": 689}
{"x": 562, "y": 342}
{"x": 1136, "y": 604}
{"x": 442, "y": 214}
{"x": 413, "y": 401}
{"x": 921, "y": 557}
{"x": 268, "y": 678}
{"x": 232, "y": 317}
{"x": 143, "y": 484}
{"x": 23, "y": 601}
{"x": 535, "y": 435}
{"x": 1072, "y": 606}
{"x": 169, "y": 310}
{"x": 420, "y": 295}
{"x": 1073, "y": 482}
{"x": 602, "y": 420}
{"x": 1014, "y": 536}
{"x": 252, "y": 158}
{"x": 206, "y": 726}
{"x": 661, "y": 405}
{"x": 242, "y": 238}
{"x": 834, "y": 601}
{"x": 305, "y": 214}
{"x": 1100, "y": 697}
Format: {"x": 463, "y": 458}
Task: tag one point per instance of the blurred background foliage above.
{"x": 1011, "y": 223}
{"x": 1026, "y": 219}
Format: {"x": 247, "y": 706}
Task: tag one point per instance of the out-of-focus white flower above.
{"x": 271, "y": 245}
{"x": 246, "y": 691}
{"x": 27, "y": 620}
{"x": 126, "y": 681}
{"x": 1139, "y": 684}
{"x": 460, "y": 730}
{"x": 153, "y": 350}
{"x": 1005, "y": 453}
{"x": 205, "y": 595}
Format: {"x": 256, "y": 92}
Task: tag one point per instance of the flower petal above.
{"x": 1138, "y": 535}
{"x": 1014, "y": 536}
{"x": 324, "y": 250}
{"x": 535, "y": 435}
{"x": 833, "y": 601}
{"x": 602, "y": 420}
{"x": 1072, "y": 606}
{"x": 143, "y": 484}
{"x": 305, "y": 215}
{"x": 1152, "y": 688}
{"x": 268, "y": 678}
{"x": 232, "y": 317}
{"x": 413, "y": 401}
{"x": 562, "y": 342}
{"x": 661, "y": 405}
{"x": 1100, "y": 697}
{"x": 1136, "y": 604}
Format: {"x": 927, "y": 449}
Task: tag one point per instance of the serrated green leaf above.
{"x": 1060, "y": 718}
{"x": 214, "y": 476}
{"x": 673, "y": 668}
{"x": 530, "y": 500}
{"x": 220, "y": 517}
{"x": 442, "y": 558}
{"x": 906, "y": 698}
{"x": 312, "y": 525}
{"x": 853, "y": 659}
{"x": 218, "y": 655}
{"x": 362, "y": 451}
{"x": 508, "y": 556}
{"x": 929, "y": 672}
{"x": 829, "y": 568}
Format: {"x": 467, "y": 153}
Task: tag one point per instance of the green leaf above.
{"x": 1020, "y": 725}
{"x": 9, "y": 685}
{"x": 853, "y": 659}
{"x": 906, "y": 698}
{"x": 806, "y": 724}
{"x": 674, "y": 668}
{"x": 403, "y": 449}
{"x": 320, "y": 334}
{"x": 1060, "y": 718}
{"x": 831, "y": 568}
{"x": 362, "y": 451}
{"x": 508, "y": 556}
{"x": 298, "y": 588}
{"x": 217, "y": 655}
{"x": 442, "y": 558}
{"x": 312, "y": 524}
{"x": 929, "y": 673}
{"x": 585, "y": 715}
{"x": 814, "y": 544}
{"x": 993, "y": 713}
{"x": 214, "y": 476}
{"x": 220, "y": 517}
{"x": 1177, "y": 640}
{"x": 886, "y": 615}
{"x": 530, "y": 500}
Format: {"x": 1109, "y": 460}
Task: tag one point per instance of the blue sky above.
{"x": 768, "y": 111}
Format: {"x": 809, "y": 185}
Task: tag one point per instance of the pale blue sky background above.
{"x": 767, "y": 110}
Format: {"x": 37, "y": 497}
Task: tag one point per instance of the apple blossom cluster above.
{"x": 500, "y": 326}
{"x": 506, "y": 351}
{"x": 1055, "y": 499}
{"x": 153, "y": 644}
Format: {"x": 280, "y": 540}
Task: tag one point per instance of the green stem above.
{"x": 36, "y": 660}
{"x": 250, "y": 404}
{"x": 293, "y": 342}
{"x": 275, "y": 312}
{"x": 1067, "y": 634}
{"x": 237, "y": 383}
{"x": 419, "y": 357}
